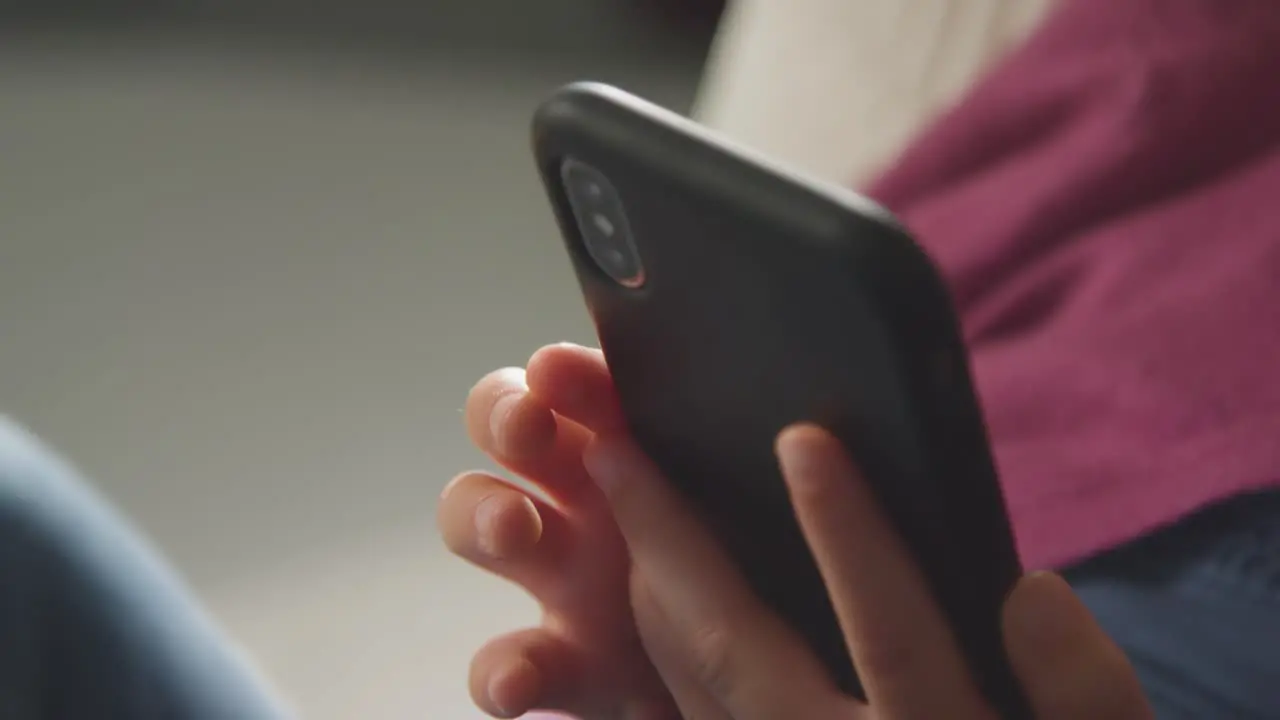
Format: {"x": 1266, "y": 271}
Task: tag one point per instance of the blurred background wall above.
{"x": 252, "y": 255}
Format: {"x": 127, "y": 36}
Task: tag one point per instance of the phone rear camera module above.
{"x": 602, "y": 223}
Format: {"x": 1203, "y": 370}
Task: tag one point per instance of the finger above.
{"x": 528, "y": 669}
{"x": 746, "y": 659}
{"x": 665, "y": 650}
{"x": 500, "y": 528}
{"x": 540, "y": 669}
{"x": 574, "y": 567}
{"x": 905, "y": 653}
{"x": 520, "y": 432}
{"x": 1065, "y": 662}
{"x": 575, "y": 382}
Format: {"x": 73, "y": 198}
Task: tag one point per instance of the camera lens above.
{"x": 602, "y": 223}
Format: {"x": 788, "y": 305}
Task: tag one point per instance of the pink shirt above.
{"x": 1106, "y": 207}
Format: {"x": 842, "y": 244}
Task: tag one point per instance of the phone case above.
{"x": 769, "y": 299}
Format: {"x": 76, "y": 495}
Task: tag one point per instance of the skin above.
{"x": 646, "y": 619}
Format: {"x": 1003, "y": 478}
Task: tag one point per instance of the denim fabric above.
{"x": 93, "y": 625}
{"x": 1197, "y": 608}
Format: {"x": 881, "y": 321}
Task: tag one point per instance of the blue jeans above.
{"x": 1197, "y": 609}
{"x": 93, "y": 625}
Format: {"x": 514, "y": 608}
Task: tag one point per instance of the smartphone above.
{"x": 733, "y": 298}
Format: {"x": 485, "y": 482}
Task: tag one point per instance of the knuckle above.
{"x": 713, "y": 651}
{"x": 661, "y": 707}
{"x": 643, "y": 605}
{"x": 889, "y": 661}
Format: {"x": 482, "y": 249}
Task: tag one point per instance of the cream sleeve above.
{"x": 838, "y": 87}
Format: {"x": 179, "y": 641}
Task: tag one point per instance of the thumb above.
{"x": 1068, "y": 666}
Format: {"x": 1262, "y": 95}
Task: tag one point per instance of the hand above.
{"x": 563, "y": 548}
{"x": 724, "y": 656}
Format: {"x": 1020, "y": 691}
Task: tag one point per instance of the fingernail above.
{"x": 796, "y": 455}
{"x": 495, "y": 696}
{"x": 452, "y": 484}
{"x": 1042, "y": 610}
{"x": 501, "y": 412}
{"x": 486, "y": 522}
{"x": 514, "y": 688}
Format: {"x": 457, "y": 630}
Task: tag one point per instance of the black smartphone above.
{"x": 733, "y": 298}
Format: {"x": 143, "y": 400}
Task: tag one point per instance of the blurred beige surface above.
{"x": 839, "y": 88}
{"x": 247, "y": 291}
